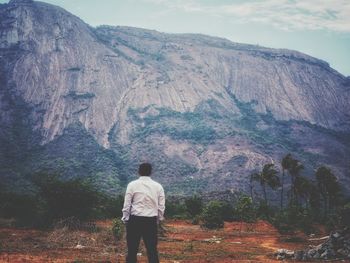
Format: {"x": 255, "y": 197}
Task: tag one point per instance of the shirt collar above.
{"x": 144, "y": 178}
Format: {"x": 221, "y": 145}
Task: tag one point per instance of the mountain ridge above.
{"x": 196, "y": 105}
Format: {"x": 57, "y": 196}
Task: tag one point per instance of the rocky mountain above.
{"x": 94, "y": 102}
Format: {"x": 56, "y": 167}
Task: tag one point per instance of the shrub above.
{"x": 212, "y": 216}
{"x": 280, "y": 221}
{"x": 263, "y": 210}
{"x": 109, "y": 207}
{"x": 194, "y": 205}
{"x": 118, "y": 228}
{"x": 176, "y": 209}
{"x": 227, "y": 212}
{"x": 24, "y": 208}
{"x": 345, "y": 215}
{"x": 245, "y": 210}
{"x": 292, "y": 218}
{"x": 63, "y": 199}
{"x": 196, "y": 220}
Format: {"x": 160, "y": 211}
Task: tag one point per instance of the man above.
{"x": 144, "y": 206}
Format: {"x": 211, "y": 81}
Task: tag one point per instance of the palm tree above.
{"x": 251, "y": 185}
{"x": 285, "y": 166}
{"x": 329, "y": 187}
{"x": 268, "y": 176}
{"x": 294, "y": 171}
{"x": 303, "y": 188}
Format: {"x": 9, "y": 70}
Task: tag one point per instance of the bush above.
{"x": 293, "y": 218}
{"x": 194, "y": 206}
{"x": 118, "y": 229}
{"x": 344, "y": 214}
{"x": 245, "y": 210}
{"x": 228, "y": 213}
{"x": 56, "y": 200}
{"x": 264, "y": 210}
{"x": 176, "y": 209}
{"x": 213, "y": 215}
{"x": 109, "y": 207}
{"x": 64, "y": 199}
{"x": 196, "y": 220}
{"x": 26, "y": 209}
{"x": 280, "y": 221}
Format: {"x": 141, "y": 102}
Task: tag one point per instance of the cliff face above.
{"x": 197, "y": 105}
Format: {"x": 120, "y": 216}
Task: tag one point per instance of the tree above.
{"x": 345, "y": 215}
{"x": 267, "y": 177}
{"x": 251, "y": 185}
{"x": 245, "y": 210}
{"x": 23, "y": 207}
{"x": 64, "y": 199}
{"x": 194, "y": 205}
{"x": 329, "y": 188}
{"x": 303, "y": 188}
{"x": 285, "y": 163}
{"x": 295, "y": 167}
{"x": 314, "y": 198}
{"x": 213, "y": 215}
{"x": 175, "y": 209}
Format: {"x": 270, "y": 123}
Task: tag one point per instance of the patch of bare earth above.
{"x": 182, "y": 242}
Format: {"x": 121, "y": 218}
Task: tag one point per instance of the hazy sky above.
{"x": 320, "y": 28}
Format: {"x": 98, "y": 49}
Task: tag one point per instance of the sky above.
{"x": 320, "y": 28}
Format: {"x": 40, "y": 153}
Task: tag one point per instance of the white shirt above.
{"x": 144, "y": 197}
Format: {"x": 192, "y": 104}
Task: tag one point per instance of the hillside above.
{"x": 94, "y": 102}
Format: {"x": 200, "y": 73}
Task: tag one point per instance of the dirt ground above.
{"x": 182, "y": 242}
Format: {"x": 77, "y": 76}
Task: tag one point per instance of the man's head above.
{"x": 145, "y": 169}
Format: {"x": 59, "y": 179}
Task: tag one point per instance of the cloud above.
{"x": 283, "y": 14}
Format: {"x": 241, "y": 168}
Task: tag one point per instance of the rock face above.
{"x": 205, "y": 110}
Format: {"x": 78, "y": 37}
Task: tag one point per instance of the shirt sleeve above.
{"x": 127, "y": 204}
{"x": 161, "y": 204}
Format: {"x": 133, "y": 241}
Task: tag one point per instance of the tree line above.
{"x": 320, "y": 193}
{"x": 299, "y": 202}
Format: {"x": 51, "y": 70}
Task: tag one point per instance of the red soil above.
{"x": 182, "y": 242}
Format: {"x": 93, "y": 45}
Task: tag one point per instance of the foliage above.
{"x": 329, "y": 188}
{"x": 74, "y": 69}
{"x": 227, "y": 211}
{"x": 194, "y": 205}
{"x": 118, "y": 228}
{"x": 57, "y": 200}
{"x": 24, "y": 208}
{"x": 213, "y": 215}
{"x": 267, "y": 177}
{"x": 196, "y": 220}
{"x": 176, "y": 209}
{"x": 285, "y": 163}
{"x": 62, "y": 199}
{"x": 292, "y": 218}
{"x": 263, "y": 210}
{"x": 191, "y": 126}
{"x": 294, "y": 170}
{"x": 305, "y": 198}
{"x": 245, "y": 210}
{"x": 303, "y": 188}
{"x": 109, "y": 206}
{"x": 344, "y": 213}
{"x": 75, "y": 96}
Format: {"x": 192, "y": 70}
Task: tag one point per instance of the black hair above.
{"x": 145, "y": 169}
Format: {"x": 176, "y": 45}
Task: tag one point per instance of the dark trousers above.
{"x": 145, "y": 227}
